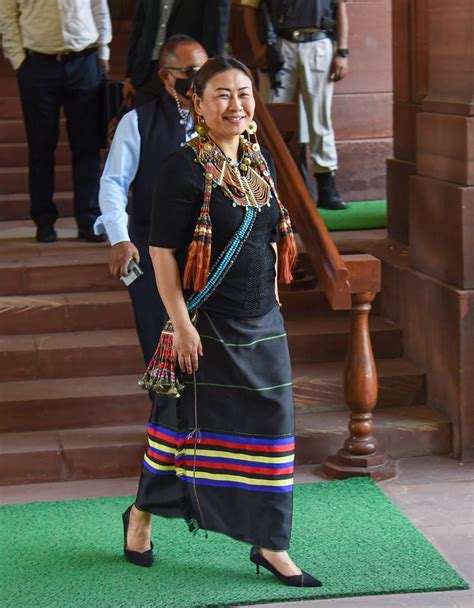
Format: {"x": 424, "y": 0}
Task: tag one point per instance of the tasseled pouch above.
{"x": 160, "y": 375}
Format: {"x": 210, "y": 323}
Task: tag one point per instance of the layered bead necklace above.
{"x": 246, "y": 184}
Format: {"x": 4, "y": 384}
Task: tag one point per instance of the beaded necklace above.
{"x": 247, "y": 185}
{"x": 243, "y": 183}
{"x": 184, "y": 116}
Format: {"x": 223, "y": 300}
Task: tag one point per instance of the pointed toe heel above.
{"x": 299, "y": 580}
{"x": 145, "y": 558}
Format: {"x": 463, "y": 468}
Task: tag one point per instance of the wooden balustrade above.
{"x": 321, "y": 249}
{"x": 345, "y": 289}
{"x": 360, "y": 455}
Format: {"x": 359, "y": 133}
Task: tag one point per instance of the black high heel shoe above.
{"x": 144, "y": 559}
{"x": 298, "y": 580}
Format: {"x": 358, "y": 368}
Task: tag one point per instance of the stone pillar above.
{"x": 410, "y": 82}
{"x": 438, "y": 296}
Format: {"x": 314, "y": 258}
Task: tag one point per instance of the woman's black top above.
{"x": 248, "y": 289}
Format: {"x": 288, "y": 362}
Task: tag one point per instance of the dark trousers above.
{"x": 150, "y": 314}
{"x": 46, "y": 85}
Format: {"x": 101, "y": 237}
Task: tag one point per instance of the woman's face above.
{"x": 227, "y": 104}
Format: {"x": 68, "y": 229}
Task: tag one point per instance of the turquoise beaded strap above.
{"x": 224, "y": 261}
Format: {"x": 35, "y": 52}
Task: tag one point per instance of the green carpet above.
{"x": 348, "y": 533}
{"x": 362, "y": 215}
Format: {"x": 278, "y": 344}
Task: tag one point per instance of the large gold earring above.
{"x": 201, "y": 128}
{"x": 252, "y": 127}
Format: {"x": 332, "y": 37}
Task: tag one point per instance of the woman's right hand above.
{"x": 187, "y": 348}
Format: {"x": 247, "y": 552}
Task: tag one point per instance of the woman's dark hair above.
{"x": 214, "y": 66}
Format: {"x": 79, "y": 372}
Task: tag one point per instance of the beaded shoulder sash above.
{"x": 160, "y": 375}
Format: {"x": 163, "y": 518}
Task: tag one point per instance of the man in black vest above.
{"x": 143, "y": 140}
{"x": 303, "y": 31}
{"x": 155, "y": 21}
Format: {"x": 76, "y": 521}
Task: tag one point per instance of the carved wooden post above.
{"x": 360, "y": 455}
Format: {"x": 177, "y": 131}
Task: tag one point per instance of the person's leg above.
{"x": 151, "y": 88}
{"x": 83, "y": 75}
{"x": 147, "y": 305}
{"x": 39, "y": 80}
{"x": 139, "y": 531}
{"x": 317, "y": 92}
{"x": 303, "y": 136}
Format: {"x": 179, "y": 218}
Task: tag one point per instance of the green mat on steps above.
{"x": 362, "y": 215}
{"x": 348, "y": 533}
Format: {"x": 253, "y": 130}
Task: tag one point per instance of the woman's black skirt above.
{"x": 221, "y": 456}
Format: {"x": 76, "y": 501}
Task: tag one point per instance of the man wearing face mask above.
{"x": 143, "y": 140}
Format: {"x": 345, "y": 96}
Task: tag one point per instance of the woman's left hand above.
{"x": 187, "y": 348}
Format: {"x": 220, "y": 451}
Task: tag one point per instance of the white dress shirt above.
{"x": 54, "y": 26}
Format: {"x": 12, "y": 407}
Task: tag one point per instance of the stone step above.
{"x": 65, "y": 312}
{"x": 9, "y": 83}
{"x": 14, "y": 180}
{"x": 17, "y": 206}
{"x": 21, "y": 262}
{"x": 60, "y": 312}
{"x": 70, "y": 355}
{"x": 16, "y": 155}
{"x": 102, "y": 452}
{"x": 116, "y": 351}
{"x": 35, "y": 405}
{"x": 10, "y": 107}
{"x": 13, "y": 130}
{"x": 61, "y": 267}
{"x": 91, "y": 453}
{"x": 318, "y": 387}
{"x": 324, "y": 338}
{"x": 402, "y": 432}
{"x": 40, "y": 405}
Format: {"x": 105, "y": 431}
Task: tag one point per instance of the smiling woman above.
{"x": 226, "y": 104}
{"x": 222, "y": 456}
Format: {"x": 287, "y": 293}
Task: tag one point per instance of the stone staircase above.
{"x": 70, "y": 407}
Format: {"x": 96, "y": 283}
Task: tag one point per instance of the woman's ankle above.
{"x": 143, "y": 517}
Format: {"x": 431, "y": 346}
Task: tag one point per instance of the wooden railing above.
{"x": 322, "y": 251}
{"x": 360, "y": 455}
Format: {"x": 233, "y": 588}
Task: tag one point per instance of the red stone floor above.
{"x": 435, "y": 492}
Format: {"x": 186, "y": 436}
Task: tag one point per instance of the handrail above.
{"x": 321, "y": 250}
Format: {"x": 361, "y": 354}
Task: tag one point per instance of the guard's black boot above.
{"x": 328, "y": 196}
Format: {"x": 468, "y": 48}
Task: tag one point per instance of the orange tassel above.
{"x": 287, "y": 256}
{"x": 197, "y": 265}
{"x": 189, "y": 270}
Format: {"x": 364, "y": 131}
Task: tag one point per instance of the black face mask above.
{"x": 182, "y": 86}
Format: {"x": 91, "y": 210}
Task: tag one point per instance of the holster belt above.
{"x": 302, "y": 36}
